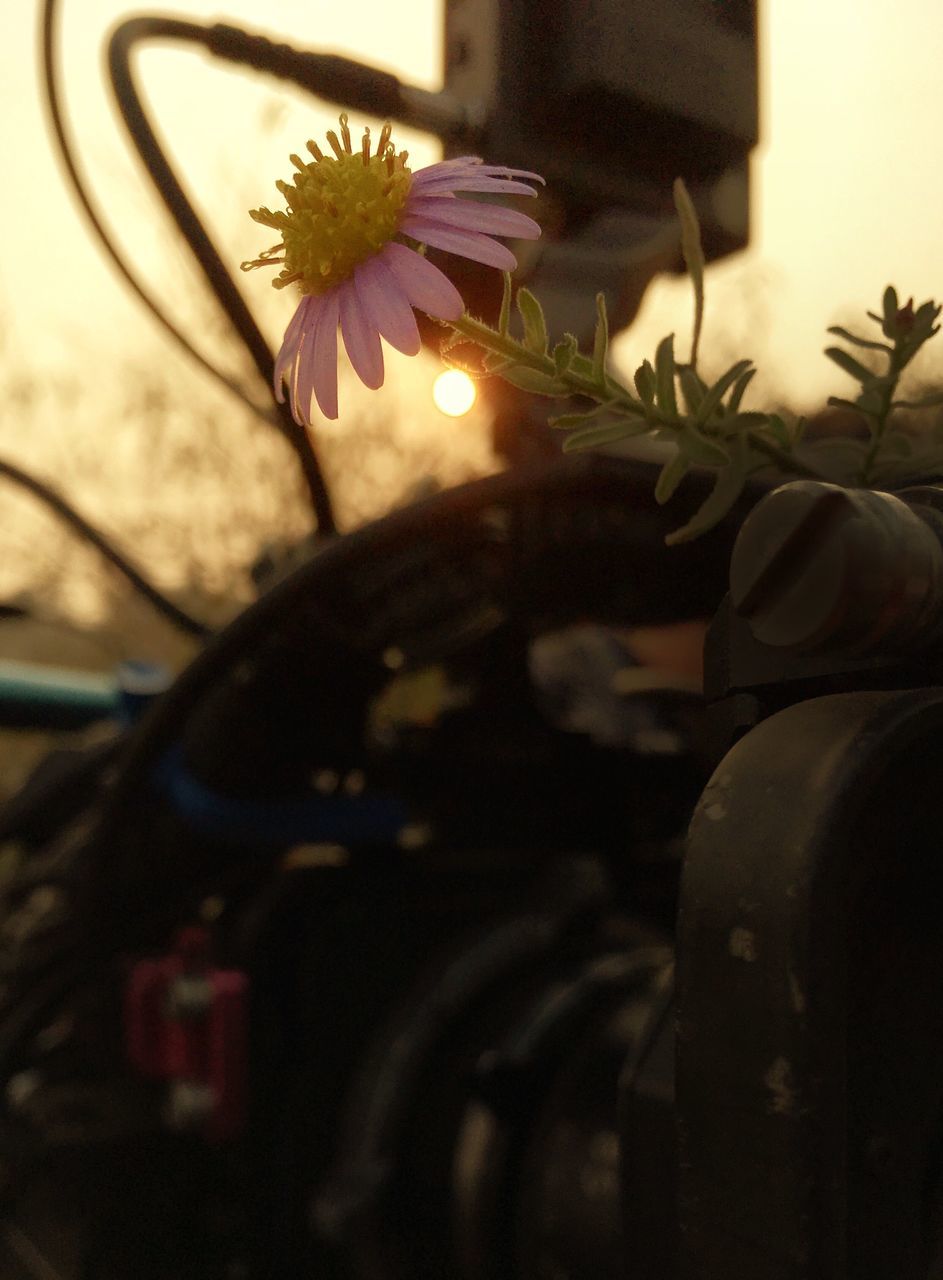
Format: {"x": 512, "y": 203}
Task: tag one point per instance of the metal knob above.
{"x": 816, "y": 565}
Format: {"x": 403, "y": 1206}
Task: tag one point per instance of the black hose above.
{"x": 69, "y": 516}
{"x": 66, "y": 148}
{"x": 120, "y": 47}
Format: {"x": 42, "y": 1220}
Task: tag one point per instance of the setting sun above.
{"x": 454, "y": 392}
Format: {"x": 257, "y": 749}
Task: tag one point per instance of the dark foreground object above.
{"x": 370, "y": 955}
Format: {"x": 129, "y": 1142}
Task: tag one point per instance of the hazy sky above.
{"x": 210, "y": 115}
{"x": 848, "y": 187}
{"x": 847, "y": 192}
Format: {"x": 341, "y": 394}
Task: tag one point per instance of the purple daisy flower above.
{"x": 348, "y": 240}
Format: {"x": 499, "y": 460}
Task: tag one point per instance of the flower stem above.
{"x": 580, "y": 379}
{"x": 894, "y": 367}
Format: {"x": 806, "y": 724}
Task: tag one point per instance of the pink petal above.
{"x": 324, "y": 358}
{"x": 474, "y": 215}
{"x": 469, "y": 244}
{"x": 302, "y": 376}
{"x": 444, "y": 183}
{"x": 386, "y": 305}
{"x": 291, "y": 343}
{"x": 453, "y": 172}
{"x": 360, "y": 337}
{"x": 502, "y": 171}
{"x": 293, "y": 379}
{"x": 424, "y": 285}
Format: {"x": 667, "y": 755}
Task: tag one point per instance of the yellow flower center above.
{"x": 342, "y": 209}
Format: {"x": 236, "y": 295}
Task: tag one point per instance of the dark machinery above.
{"x": 424, "y": 927}
{"x": 331, "y": 1009}
{"x": 313, "y": 977}
{"x": 809, "y": 1019}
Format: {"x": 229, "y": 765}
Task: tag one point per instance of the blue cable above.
{"x": 370, "y": 818}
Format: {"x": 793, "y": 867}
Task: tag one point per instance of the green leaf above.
{"x": 853, "y": 338}
{"x": 926, "y": 314}
{"x": 609, "y": 433}
{"x": 454, "y": 339}
{"x": 665, "y": 377}
{"x": 850, "y": 365}
{"x": 779, "y": 430}
{"x": 839, "y": 402}
{"x": 717, "y": 392}
{"x": 692, "y": 388}
{"x": 452, "y": 362}
{"x": 582, "y": 366}
{"x": 924, "y": 322}
{"x": 564, "y": 352}
{"x": 921, "y": 330}
{"x": 697, "y": 448}
{"x": 890, "y": 307}
{"x": 748, "y": 421}
{"x": 504, "y": 319}
{"x": 740, "y": 387}
{"x": 495, "y": 362}
{"x": 601, "y": 339}
{"x": 541, "y": 384}
{"x": 693, "y": 257}
{"x": 567, "y": 420}
{"x": 535, "y": 327}
{"x": 670, "y": 476}
{"x": 645, "y": 383}
{"x": 727, "y": 489}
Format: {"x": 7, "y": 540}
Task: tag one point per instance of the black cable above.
{"x": 68, "y": 514}
{"x": 120, "y": 48}
{"x": 298, "y": 439}
{"x": 67, "y": 154}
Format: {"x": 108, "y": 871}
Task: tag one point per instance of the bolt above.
{"x": 816, "y": 565}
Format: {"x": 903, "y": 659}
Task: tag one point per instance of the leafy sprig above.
{"x": 706, "y": 423}
{"x": 905, "y": 331}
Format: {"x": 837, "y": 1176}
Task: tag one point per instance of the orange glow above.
{"x": 454, "y": 393}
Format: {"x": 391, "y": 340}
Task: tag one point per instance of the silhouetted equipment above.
{"x": 611, "y": 101}
{"x": 821, "y": 567}
{"x": 356, "y": 964}
{"x": 433, "y": 963}
{"x": 420, "y": 929}
{"x": 810, "y": 1036}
